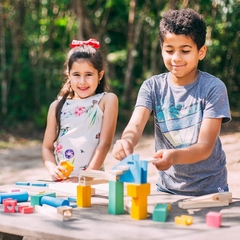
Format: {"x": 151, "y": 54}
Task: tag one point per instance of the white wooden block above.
{"x": 49, "y": 211}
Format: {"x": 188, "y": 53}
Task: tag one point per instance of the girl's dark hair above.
{"x": 186, "y": 22}
{"x": 89, "y": 54}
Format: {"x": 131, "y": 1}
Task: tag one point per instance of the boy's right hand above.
{"x": 121, "y": 149}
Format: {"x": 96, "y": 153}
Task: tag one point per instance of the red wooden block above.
{"x": 9, "y": 205}
{"x": 214, "y": 219}
{"x": 26, "y": 209}
{"x": 21, "y": 207}
{"x": 6, "y": 199}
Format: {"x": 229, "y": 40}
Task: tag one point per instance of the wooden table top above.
{"x": 96, "y": 223}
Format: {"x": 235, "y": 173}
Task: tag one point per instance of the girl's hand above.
{"x": 164, "y": 159}
{"x": 71, "y": 180}
{"x": 57, "y": 173}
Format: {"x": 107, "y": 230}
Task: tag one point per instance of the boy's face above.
{"x": 181, "y": 56}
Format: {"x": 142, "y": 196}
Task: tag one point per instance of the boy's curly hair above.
{"x": 186, "y": 22}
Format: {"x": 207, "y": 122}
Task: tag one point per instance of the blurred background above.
{"x": 35, "y": 37}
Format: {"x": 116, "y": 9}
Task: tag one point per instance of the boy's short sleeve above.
{"x": 217, "y": 103}
{"x": 144, "y": 97}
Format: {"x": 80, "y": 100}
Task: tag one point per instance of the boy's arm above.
{"x": 110, "y": 105}
{"x": 209, "y": 132}
{"x": 132, "y": 133}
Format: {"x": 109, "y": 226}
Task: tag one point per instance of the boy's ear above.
{"x": 202, "y": 52}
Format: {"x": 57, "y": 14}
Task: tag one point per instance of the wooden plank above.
{"x": 96, "y": 174}
{"x": 222, "y": 196}
{"x": 202, "y": 204}
{"x": 210, "y": 200}
{"x": 52, "y": 212}
{"x": 71, "y": 188}
{"x": 84, "y": 182}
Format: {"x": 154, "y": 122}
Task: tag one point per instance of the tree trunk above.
{"x": 133, "y": 38}
{"x": 87, "y": 28}
{"x": 3, "y": 64}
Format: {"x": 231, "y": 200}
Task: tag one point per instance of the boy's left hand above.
{"x": 164, "y": 159}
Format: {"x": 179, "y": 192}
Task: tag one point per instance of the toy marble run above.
{"x": 131, "y": 170}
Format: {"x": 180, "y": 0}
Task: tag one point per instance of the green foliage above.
{"x": 37, "y": 36}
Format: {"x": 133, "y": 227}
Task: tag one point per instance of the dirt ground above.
{"x": 23, "y": 162}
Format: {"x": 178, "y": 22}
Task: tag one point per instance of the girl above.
{"x": 81, "y": 124}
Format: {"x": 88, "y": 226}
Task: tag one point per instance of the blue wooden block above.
{"x": 73, "y": 204}
{"x": 137, "y": 172}
{"x": 72, "y": 199}
{"x": 22, "y": 183}
{"x": 54, "y": 202}
{"x": 21, "y": 196}
{"x": 40, "y": 184}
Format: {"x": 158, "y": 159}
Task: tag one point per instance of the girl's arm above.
{"x": 209, "y": 132}
{"x": 48, "y": 140}
{"x": 109, "y": 105}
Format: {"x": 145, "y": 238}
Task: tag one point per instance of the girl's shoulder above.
{"x": 109, "y": 96}
{"x": 109, "y": 100}
{"x": 54, "y": 104}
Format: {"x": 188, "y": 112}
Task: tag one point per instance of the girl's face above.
{"x": 181, "y": 57}
{"x": 84, "y": 79}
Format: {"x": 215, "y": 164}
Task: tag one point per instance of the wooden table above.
{"x": 96, "y": 223}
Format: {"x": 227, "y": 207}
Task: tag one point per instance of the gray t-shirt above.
{"x": 178, "y": 113}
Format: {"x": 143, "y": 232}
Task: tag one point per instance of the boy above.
{"x": 189, "y": 107}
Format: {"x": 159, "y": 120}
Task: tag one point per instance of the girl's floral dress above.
{"x": 81, "y": 122}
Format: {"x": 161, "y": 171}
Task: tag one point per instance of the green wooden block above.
{"x": 36, "y": 199}
{"x": 160, "y": 213}
{"x": 115, "y": 198}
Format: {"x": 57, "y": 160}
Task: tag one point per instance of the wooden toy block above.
{"x": 214, "y": 219}
{"x": 116, "y": 198}
{"x": 68, "y": 168}
{"x": 137, "y": 169}
{"x": 52, "y": 212}
{"x": 83, "y": 196}
{"x": 160, "y": 213}
{"x": 139, "y": 208}
{"x": 39, "y": 184}
{"x": 54, "y": 201}
{"x": 123, "y": 168}
{"x": 70, "y": 188}
{"x": 9, "y": 205}
{"x": 183, "y": 220}
{"x": 188, "y": 218}
{"x": 87, "y": 182}
{"x": 66, "y": 211}
{"x": 91, "y": 177}
{"x": 72, "y": 199}
{"x": 19, "y": 208}
{"x": 36, "y": 199}
{"x": 25, "y": 209}
{"x": 21, "y": 196}
{"x": 139, "y": 194}
{"x": 210, "y": 200}
{"x": 73, "y": 205}
{"x": 22, "y": 183}
{"x": 135, "y": 191}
